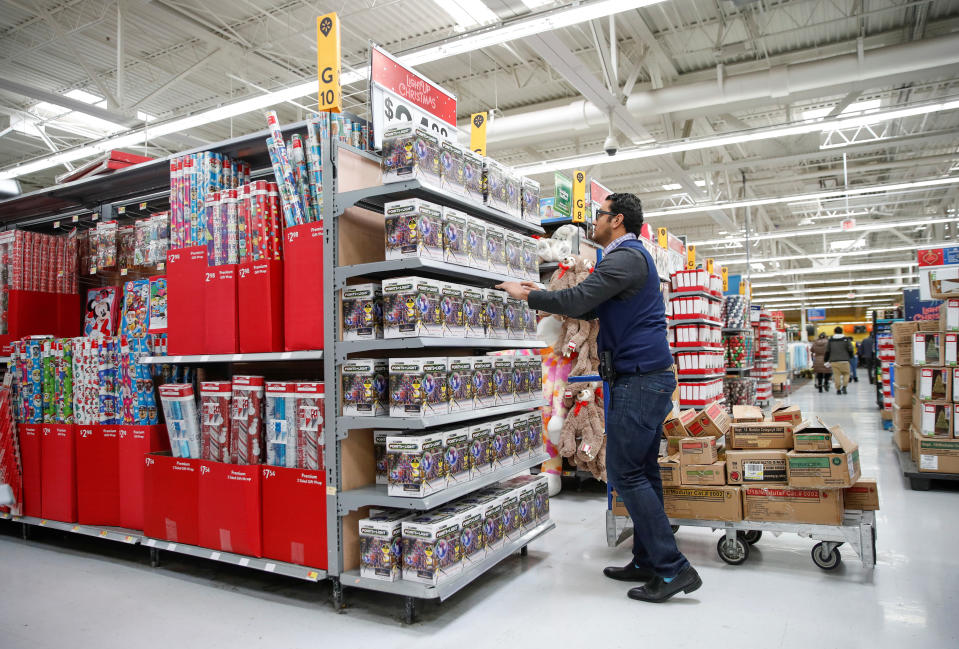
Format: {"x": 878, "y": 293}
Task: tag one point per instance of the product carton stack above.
{"x": 934, "y": 441}
{"x": 901, "y": 379}
{"x": 778, "y": 467}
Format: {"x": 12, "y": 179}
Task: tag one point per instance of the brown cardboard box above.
{"x": 901, "y": 417}
{"x": 864, "y": 495}
{"x": 792, "y": 505}
{"x": 617, "y": 505}
{"x": 789, "y": 414}
{"x": 928, "y": 325}
{"x": 935, "y": 384}
{"x": 935, "y": 418}
{"x": 904, "y": 375}
{"x": 935, "y": 454}
{"x": 672, "y": 445}
{"x": 673, "y": 427}
{"x": 902, "y": 437}
{"x": 955, "y": 383}
{"x": 955, "y": 420}
{"x": 902, "y": 331}
{"x": 756, "y": 467}
{"x": 744, "y": 414}
{"x": 669, "y": 470}
{"x": 766, "y": 434}
{"x": 713, "y": 421}
{"x": 698, "y": 450}
{"x": 904, "y": 353}
{"x": 834, "y": 468}
{"x": 809, "y": 436}
{"x": 902, "y": 396}
{"x": 704, "y": 503}
{"x": 703, "y": 474}
{"x": 950, "y": 349}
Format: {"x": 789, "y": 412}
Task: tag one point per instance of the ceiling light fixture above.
{"x": 542, "y": 21}
{"x": 739, "y": 137}
{"x": 735, "y": 261}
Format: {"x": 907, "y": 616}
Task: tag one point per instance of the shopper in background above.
{"x": 853, "y": 361}
{"x": 866, "y": 357}
{"x": 819, "y": 365}
{"x": 623, "y": 292}
{"x": 838, "y": 353}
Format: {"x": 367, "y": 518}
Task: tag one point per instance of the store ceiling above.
{"x": 758, "y": 64}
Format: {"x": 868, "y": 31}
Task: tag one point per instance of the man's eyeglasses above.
{"x": 609, "y": 214}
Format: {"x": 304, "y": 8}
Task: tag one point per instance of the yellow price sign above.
{"x": 691, "y": 257}
{"x": 662, "y": 237}
{"x": 725, "y": 274}
{"x": 478, "y": 132}
{"x": 330, "y": 97}
{"x": 579, "y": 197}
{"x": 709, "y": 265}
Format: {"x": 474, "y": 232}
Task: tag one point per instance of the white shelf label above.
{"x": 929, "y": 462}
{"x": 215, "y": 556}
{"x": 244, "y": 562}
{"x": 171, "y": 546}
{"x": 270, "y": 567}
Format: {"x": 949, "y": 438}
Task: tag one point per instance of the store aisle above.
{"x": 89, "y": 593}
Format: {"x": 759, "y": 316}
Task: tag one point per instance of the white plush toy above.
{"x": 549, "y": 330}
{"x": 559, "y": 245}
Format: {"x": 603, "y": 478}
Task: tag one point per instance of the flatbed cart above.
{"x": 858, "y": 529}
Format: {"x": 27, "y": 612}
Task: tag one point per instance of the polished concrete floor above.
{"x": 63, "y": 590}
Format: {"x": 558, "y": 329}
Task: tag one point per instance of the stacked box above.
{"x": 365, "y": 387}
{"x": 414, "y": 229}
{"x": 362, "y": 306}
{"x": 416, "y": 465}
{"x": 411, "y": 307}
{"x": 381, "y": 553}
{"x": 418, "y": 387}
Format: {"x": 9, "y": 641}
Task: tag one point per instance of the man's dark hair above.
{"x": 837, "y": 330}
{"x": 630, "y": 207}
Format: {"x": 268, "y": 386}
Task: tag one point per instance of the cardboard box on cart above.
{"x": 786, "y": 413}
{"x": 764, "y": 434}
{"x": 834, "y": 468}
{"x": 793, "y": 505}
{"x": 864, "y": 495}
{"x": 713, "y": 421}
{"x": 704, "y": 503}
{"x": 812, "y": 437}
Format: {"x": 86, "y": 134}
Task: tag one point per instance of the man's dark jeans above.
{"x": 634, "y": 426}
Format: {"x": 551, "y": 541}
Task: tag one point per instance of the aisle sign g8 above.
{"x": 579, "y": 197}
{"x": 691, "y": 258}
{"x": 330, "y": 97}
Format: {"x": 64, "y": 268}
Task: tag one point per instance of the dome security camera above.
{"x": 611, "y": 145}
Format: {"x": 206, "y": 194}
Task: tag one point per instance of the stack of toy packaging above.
{"x": 32, "y": 261}
{"x": 151, "y": 239}
{"x": 11, "y": 472}
{"x": 433, "y": 546}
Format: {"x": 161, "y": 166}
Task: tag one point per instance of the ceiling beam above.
{"x": 73, "y": 104}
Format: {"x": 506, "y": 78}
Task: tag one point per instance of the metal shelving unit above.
{"x": 118, "y": 534}
{"x": 256, "y": 563}
{"x": 339, "y": 501}
{"x": 234, "y": 358}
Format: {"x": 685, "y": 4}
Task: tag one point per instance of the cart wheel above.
{"x": 409, "y": 610}
{"x": 750, "y": 536}
{"x": 674, "y": 528}
{"x": 826, "y": 561}
{"x": 733, "y": 551}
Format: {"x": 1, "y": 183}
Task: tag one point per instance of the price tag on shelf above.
{"x": 244, "y": 562}
{"x": 103, "y": 533}
{"x": 75, "y": 218}
{"x": 270, "y": 567}
{"x": 123, "y": 272}
{"x": 143, "y": 205}
{"x": 56, "y": 225}
{"x": 122, "y": 209}
{"x": 161, "y": 266}
{"x": 94, "y": 217}
{"x": 93, "y": 270}
{"x": 215, "y": 556}
{"x": 75, "y": 528}
{"x": 313, "y": 574}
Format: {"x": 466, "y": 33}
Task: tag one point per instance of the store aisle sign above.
{"x": 579, "y": 197}
{"x": 815, "y": 315}
{"x": 478, "y": 132}
{"x": 562, "y": 196}
{"x": 399, "y": 93}
{"x": 330, "y": 95}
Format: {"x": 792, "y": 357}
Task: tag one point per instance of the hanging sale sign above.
{"x": 399, "y": 93}
{"x": 563, "y": 196}
{"x": 330, "y": 95}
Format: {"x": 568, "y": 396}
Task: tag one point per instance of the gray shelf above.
{"x": 676, "y": 350}
{"x": 409, "y": 423}
{"x": 446, "y": 589}
{"x": 672, "y": 322}
{"x": 700, "y": 376}
{"x": 256, "y": 563}
{"x": 681, "y": 293}
{"x": 376, "y": 494}
{"x": 234, "y": 358}
{"x": 119, "y": 534}
{"x": 736, "y": 330}
{"x": 739, "y": 370}
{"x": 431, "y": 267}
{"x": 352, "y": 346}
{"x": 374, "y": 198}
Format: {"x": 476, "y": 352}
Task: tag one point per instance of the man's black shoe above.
{"x": 819, "y": 387}
{"x": 838, "y": 390}
{"x": 657, "y": 590}
{"x": 629, "y": 572}
{"x": 844, "y": 391}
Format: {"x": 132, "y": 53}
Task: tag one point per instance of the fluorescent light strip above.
{"x": 835, "y": 289}
{"x": 792, "y": 299}
{"x": 885, "y": 189}
{"x": 596, "y": 159}
{"x": 729, "y": 261}
{"x": 541, "y": 22}
{"x": 904, "y": 276}
{"x": 831, "y": 270}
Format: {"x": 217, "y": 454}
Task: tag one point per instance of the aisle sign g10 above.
{"x": 330, "y": 97}
{"x": 579, "y": 197}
